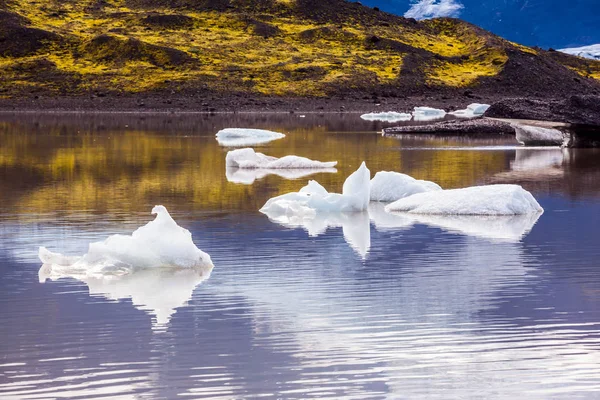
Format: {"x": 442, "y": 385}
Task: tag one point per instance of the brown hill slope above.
{"x": 304, "y": 48}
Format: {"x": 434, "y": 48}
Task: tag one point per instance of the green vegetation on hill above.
{"x": 272, "y": 47}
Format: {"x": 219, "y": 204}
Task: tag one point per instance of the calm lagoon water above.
{"x": 365, "y": 306}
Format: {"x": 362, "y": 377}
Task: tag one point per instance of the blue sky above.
{"x": 545, "y": 23}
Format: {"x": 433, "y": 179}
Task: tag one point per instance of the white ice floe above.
{"x": 591, "y": 51}
{"x": 313, "y": 197}
{"x": 238, "y": 137}
{"x": 390, "y": 116}
{"x": 428, "y": 114}
{"x": 158, "y": 291}
{"x": 500, "y": 228}
{"x": 472, "y": 111}
{"x": 536, "y": 136}
{"x": 249, "y": 159}
{"x": 160, "y": 243}
{"x": 391, "y": 186}
{"x": 248, "y": 176}
{"x": 477, "y": 200}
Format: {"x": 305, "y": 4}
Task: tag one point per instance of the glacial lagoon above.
{"x": 361, "y": 306}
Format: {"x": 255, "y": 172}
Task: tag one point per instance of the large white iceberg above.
{"x": 314, "y": 197}
{"x": 391, "y": 186}
{"x": 158, "y": 291}
{"x": 239, "y": 137}
{"x": 249, "y": 159}
{"x": 537, "y": 136}
{"x": 477, "y": 200}
{"x": 428, "y": 114}
{"x": 390, "y": 116}
{"x": 473, "y": 110}
{"x": 160, "y": 243}
{"x": 248, "y": 176}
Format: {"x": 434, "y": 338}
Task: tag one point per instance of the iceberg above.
{"x": 314, "y": 197}
{"x": 390, "y": 116}
{"x": 160, "y": 243}
{"x": 536, "y": 136}
{"x": 428, "y": 114}
{"x": 391, "y": 186}
{"x": 249, "y": 159}
{"x": 238, "y": 137}
{"x": 248, "y": 176}
{"x": 477, "y": 200}
{"x": 472, "y": 111}
{"x": 157, "y": 291}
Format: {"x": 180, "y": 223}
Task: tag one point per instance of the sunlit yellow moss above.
{"x": 464, "y": 73}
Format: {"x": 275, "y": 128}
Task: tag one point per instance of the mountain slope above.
{"x": 271, "y": 47}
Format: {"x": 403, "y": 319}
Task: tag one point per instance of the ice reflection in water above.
{"x": 248, "y": 176}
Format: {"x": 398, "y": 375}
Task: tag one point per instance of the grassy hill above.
{"x": 271, "y": 47}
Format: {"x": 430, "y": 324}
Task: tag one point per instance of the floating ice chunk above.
{"x": 159, "y": 243}
{"x": 313, "y": 197}
{"x": 428, "y": 114}
{"x": 355, "y": 226}
{"x": 158, "y": 291}
{"x": 472, "y": 111}
{"x": 238, "y": 137}
{"x": 501, "y": 228}
{"x": 249, "y": 159}
{"x": 390, "y": 116}
{"x": 536, "y": 136}
{"x": 248, "y": 176}
{"x": 477, "y": 200}
{"x": 391, "y": 186}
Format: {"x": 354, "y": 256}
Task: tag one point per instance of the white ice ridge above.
{"x": 472, "y": 111}
{"x": 476, "y": 200}
{"x": 249, "y": 159}
{"x": 248, "y": 176}
{"x": 161, "y": 243}
{"x": 313, "y": 197}
{"x": 391, "y": 186}
{"x": 592, "y": 51}
{"x": 533, "y": 135}
{"x": 428, "y": 114}
{"x": 389, "y": 116}
{"x": 239, "y": 137}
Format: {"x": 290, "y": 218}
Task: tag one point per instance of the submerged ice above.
{"x": 477, "y": 200}
{"x": 240, "y": 137}
{"x": 249, "y": 159}
{"x": 160, "y": 243}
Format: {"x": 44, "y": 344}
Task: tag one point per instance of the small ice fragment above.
{"x": 238, "y": 137}
{"x": 428, "y": 114}
{"x": 391, "y": 186}
{"x": 249, "y": 159}
{"x": 390, "y": 116}
{"x": 158, "y": 244}
{"x": 313, "y": 197}
{"x": 536, "y": 136}
{"x": 472, "y": 111}
{"x": 477, "y": 200}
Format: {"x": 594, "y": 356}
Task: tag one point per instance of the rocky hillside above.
{"x": 270, "y": 47}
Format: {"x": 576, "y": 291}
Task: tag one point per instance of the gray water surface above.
{"x": 368, "y": 306}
